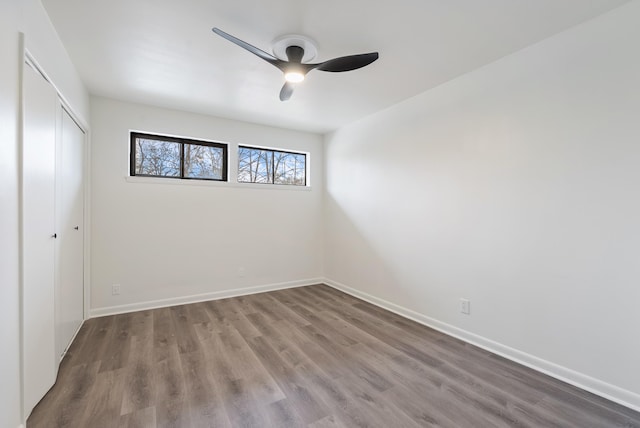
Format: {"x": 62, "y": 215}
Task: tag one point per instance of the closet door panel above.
{"x": 70, "y": 289}
{"x": 38, "y": 236}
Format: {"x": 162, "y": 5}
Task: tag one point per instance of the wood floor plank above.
{"x": 142, "y": 324}
{"x": 238, "y": 401}
{"x": 319, "y": 355}
{"x": 142, "y": 418}
{"x": 215, "y": 313}
{"x": 171, "y": 402}
{"x": 79, "y": 341}
{"x": 104, "y": 400}
{"x": 472, "y": 385}
{"x": 363, "y": 369}
{"x": 139, "y": 390}
{"x": 96, "y": 342}
{"x": 373, "y": 402}
{"x": 173, "y": 414}
{"x": 311, "y": 297}
{"x": 224, "y": 312}
{"x": 243, "y": 302}
{"x": 319, "y": 323}
{"x": 240, "y": 321}
{"x": 421, "y": 351}
{"x": 65, "y": 403}
{"x": 164, "y": 334}
{"x": 285, "y": 312}
{"x": 186, "y": 337}
{"x": 339, "y": 402}
{"x": 116, "y": 354}
{"x": 202, "y": 396}
{"x": 197, "y": 313}
{"x": 170, "y": 378}
{"x": 424, "y": 411}
{"x": 308, "y": 406}
{"x": 328, "y": 422}
{"x": 267, "y": 329}
{"x": 248, "y": 367}
{"x": 302, "y": 357}
{"x": 296, "y": 296}
{"x": 283, "y": 414}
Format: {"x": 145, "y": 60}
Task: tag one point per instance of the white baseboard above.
{"x": 606, "y": 390}
{"x": 163, "y": 303}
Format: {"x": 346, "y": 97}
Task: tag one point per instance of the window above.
{"x": 171, "y": 157}
{"x": 257, "y": 165}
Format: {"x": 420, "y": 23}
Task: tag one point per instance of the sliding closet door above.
{"x": 38, "y": 236}
{"x": 70, "y": 200}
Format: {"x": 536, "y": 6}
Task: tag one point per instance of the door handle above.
{"x": 54, "y": 236}
{"x": 76, "y": 228}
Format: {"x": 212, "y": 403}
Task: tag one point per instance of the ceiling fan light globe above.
{"x": 293, "y": 76}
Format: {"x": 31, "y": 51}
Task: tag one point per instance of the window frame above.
{"x": 134, "y": 135}
{"x": 273, "y": 151}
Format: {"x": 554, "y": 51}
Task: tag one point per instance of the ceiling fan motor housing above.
{"x": 308, "y": 46}
{"x": 295, "y": 53}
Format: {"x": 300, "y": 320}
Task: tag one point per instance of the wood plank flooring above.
{"x": 303, "y": 357}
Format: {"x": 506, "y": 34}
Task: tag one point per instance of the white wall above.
{"x": 10, "y": 17}
{"x": 515, "y": 186}
{"x": 43, "y": 43}
{"x": 168, "y": 240}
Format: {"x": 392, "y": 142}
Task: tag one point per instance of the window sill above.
{"x": 209, "y": 183}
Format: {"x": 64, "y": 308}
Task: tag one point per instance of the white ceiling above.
{"x": 163, "y": 53}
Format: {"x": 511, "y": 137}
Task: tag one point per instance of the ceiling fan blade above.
{"x": 347, "y": 63}
{"x": 286, "y": 91}
{"x": 254, "y": 50}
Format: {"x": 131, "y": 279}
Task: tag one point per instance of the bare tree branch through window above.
{"x": 158, "y": 156}
{"x": 257, "y": 165}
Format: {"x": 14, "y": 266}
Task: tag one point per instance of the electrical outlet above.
{"x": 115, "y": 289}
{"x": 241, "y": 272}
{"x": 465, "y": 306}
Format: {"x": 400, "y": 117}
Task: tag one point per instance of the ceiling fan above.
{"x": 293, "y": 68}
